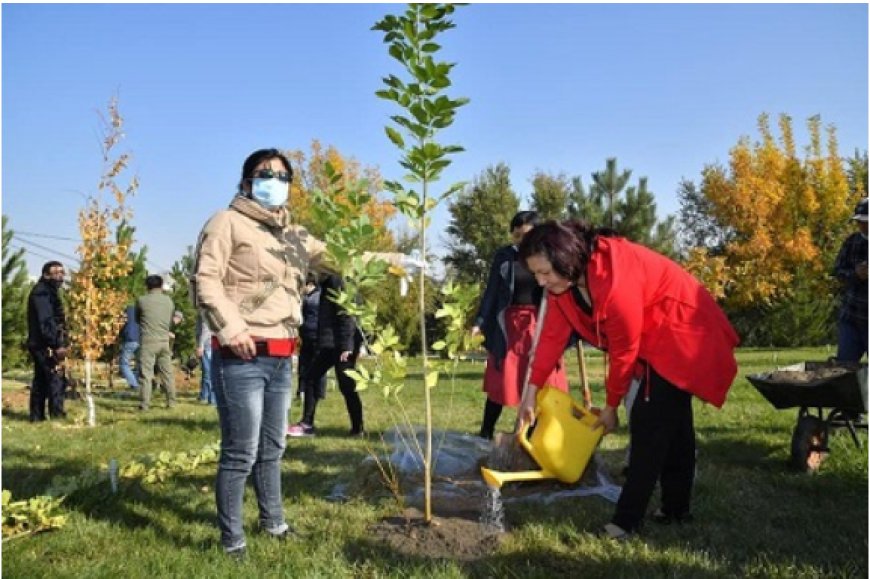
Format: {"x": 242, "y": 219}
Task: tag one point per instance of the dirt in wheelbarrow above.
{"x": 805, "y": 377}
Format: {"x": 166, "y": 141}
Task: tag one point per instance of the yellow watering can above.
{"x": 562, "y": 443}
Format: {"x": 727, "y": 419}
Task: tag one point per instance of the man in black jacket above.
{"x": 47, "y": 343}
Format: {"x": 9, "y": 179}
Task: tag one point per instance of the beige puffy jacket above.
{"x": 250, "y": 271}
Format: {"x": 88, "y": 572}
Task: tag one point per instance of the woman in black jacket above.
{"x": 507, "y": 317}
{"x": 338, "y": 341}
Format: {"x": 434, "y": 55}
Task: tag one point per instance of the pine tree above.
{"x": 16, "y": 287}
{"x": 608, "y": 184}
{"x": 632, "y": 214}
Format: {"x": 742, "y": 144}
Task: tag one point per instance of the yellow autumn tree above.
{"x": 310, "y": 175}
{"x": 96, "y": 297}
{"x": 784, "y": 216}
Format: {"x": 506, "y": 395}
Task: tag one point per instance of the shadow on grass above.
{"x": 530, "y": 562}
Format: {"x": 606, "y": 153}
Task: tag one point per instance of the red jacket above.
{"x": 645, "y": 307}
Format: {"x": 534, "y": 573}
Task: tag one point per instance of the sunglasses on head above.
{"x": 270, "y": 174}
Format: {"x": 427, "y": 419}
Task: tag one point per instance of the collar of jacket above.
{"x": 252, "y": 209}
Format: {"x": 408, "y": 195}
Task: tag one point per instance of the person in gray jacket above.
{"x": 154, "y": 312}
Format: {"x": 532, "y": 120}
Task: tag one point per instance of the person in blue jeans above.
{"x": 204, "y": 353}
{"x": 249, "y": 262}
{"x": 129, "y": 346}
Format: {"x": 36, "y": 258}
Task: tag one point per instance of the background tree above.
{"x": 630, "y": 210}
{"x": 699, "y": 227}
{"x": 589, "y": 205}
{"x": 856, "y": 172}
{"x": 310, "y": 175}
{"x": 480, "y": 222}
{"x": 783, "y": 219}
{"x": 133, "y": 284}
{"x": 637, "y": 220}
{"x": 607, "y": 185}
{"x": 96, "y": 301}
{"x": 16, "y": 287}
{"x": 550, "y": 194}
{"x": 184, "y": 343}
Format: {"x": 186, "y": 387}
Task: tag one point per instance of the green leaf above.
{"x": 395, "y": 137}
{"x": 432, "y": 379}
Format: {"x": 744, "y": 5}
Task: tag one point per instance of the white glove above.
{"x": 411, "y": 263}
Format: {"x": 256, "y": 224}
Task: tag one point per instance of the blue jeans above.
{"x": 253, "y": 399}
{"x": 128, "y": 353}
{"x": 852, "y": 340}
{"x": 206, "y": 392}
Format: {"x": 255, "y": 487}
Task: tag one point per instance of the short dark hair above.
{"x": 525, "y": 218}
{"x": 258, "y": 157}
{"x": 311, "y": 278}
{"x": 153, "y": 282}
{"x": 46, "y": 269}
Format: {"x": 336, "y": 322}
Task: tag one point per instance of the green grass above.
{"x": 754, "y": 516}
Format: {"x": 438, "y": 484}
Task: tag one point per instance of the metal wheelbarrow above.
{"x": 816, "y": 386}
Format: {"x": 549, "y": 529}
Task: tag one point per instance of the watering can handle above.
{"x": 523, "y": 437}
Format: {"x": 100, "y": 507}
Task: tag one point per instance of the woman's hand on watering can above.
{"x": 526, "y": 411}
{"x": 608, "y": 419}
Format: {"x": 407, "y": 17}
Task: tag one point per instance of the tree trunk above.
{"x": 92, "y": 416}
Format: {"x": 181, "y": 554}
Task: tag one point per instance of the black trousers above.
{"x": 491, "y": 413}
{"x": 662, "y": 438}
{"x": 307, "y": 354}
{"x": 48, "y": 385}
{"x": 328, "y": 358}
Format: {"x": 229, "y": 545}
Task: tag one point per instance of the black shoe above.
{"x": 663, "y": 518}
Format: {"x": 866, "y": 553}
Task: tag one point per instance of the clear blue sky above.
{"x": 665, "y": 88}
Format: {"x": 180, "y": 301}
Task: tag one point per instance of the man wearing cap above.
{"x": 851, "y": 269}
{"x": 154, "y": 312}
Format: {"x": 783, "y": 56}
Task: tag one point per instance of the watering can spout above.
{"x": 562, "y": 443}
{"x": 495, "y": 479}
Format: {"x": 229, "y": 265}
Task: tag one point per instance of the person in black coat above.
{"x": 308, "y": 333}
{"x": 47, "y": 343}
{"x": 338, "y": 341}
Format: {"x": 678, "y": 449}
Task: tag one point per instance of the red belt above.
{"x": 276, "y": 347}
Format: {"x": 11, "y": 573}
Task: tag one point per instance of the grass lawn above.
{"x": 753, "y": 516}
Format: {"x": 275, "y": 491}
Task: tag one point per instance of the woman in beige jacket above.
{"x": 250, "y": 269}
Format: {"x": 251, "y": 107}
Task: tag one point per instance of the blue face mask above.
{"x": 269, "y": 193}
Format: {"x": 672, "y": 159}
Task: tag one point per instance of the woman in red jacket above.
{"x": 664, "y": 335}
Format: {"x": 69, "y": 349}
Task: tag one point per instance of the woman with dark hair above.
{"x": 506, "y": 317}
{"x": 664, "y": 335}
{"x": 251, "y": 264}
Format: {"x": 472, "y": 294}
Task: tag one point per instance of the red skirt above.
{"x": 505, "y": 385}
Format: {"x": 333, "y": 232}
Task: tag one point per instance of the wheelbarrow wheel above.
{"x": 809, "y": 444}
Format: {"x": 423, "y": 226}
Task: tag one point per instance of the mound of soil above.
{"x": 454, "y": 537}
